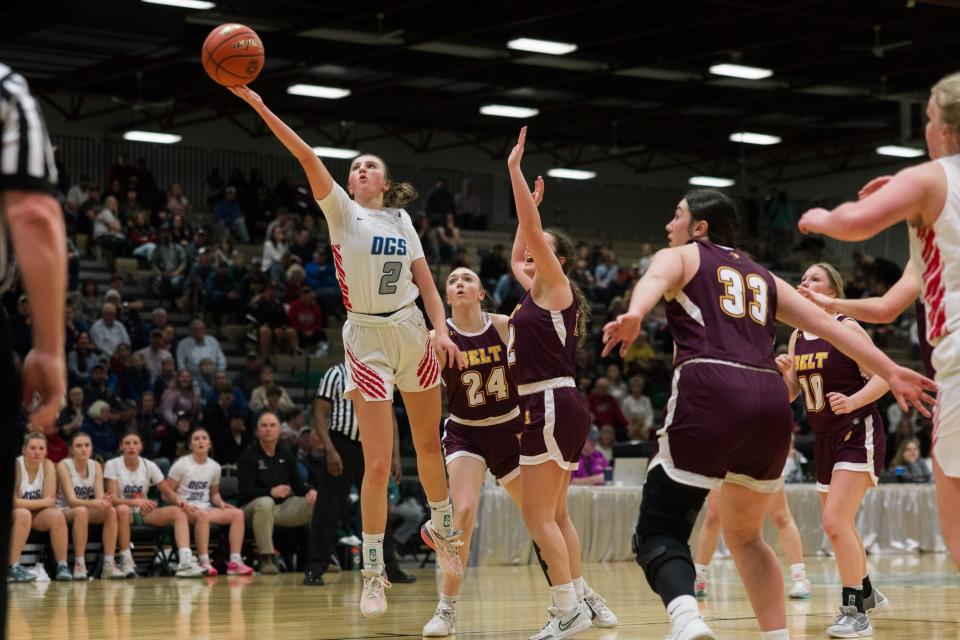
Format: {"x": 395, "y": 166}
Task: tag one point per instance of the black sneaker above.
{"x": 312, "y": 579}
{"x": 399, "y": 576}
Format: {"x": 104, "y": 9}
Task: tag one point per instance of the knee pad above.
{"x": 653, "y": 552}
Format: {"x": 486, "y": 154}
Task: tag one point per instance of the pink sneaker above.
{"x": 373, "y": 599}
{"x": 210, "y": 571}
{"x": 238, "y": 569}
{"x": 447, "y": 549}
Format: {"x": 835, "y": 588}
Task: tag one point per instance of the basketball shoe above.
{"x": 700, "y": 588}
{"x": 564, "y": 625}
{"x": 443, "y": 623}
{"x": 800, "y": 589}
{"x": 447, "y": 548}
{"x": 850, "y": 623}
{"x": 691, "y": 629}
{"x": 600, "y": 614}
{"x": 876, "y": 600}
{"x": 373, "y": 598}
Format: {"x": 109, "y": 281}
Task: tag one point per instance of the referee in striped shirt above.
{"x": 336, "y": 424}
{"x": 29, "y": 218}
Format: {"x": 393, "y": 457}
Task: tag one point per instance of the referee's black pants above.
{"x": 351, "y": 453}
{"x": 9, "y": 449}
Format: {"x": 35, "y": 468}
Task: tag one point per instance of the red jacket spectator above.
{"x": 605, "y": 408}
{"x": 305, "y": 315}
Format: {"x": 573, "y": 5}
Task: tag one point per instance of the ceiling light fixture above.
{"x": 748, "y": 137}
{"x": 317, "y": 91}
{"x": 507, "y": 111}
{"x": 900, "y": 152}
{"x": 542, "y": 46}
{"x": 740, "y": 71}
{"x": 711, "y": 181}
{"x": 572, "y": 174}
{"x": 150, "y": 136}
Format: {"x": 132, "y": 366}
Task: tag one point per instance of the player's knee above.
{"x": 738, "y": 535}
{"x": 81, "y": 515}
{"x": 236, "y": 516}
{"x": 111, "y": 512}
{"x": 712, "y": 519}
{"x": 22, "y": 518}
{"x": 202, "y": 516}
{"x": 781, "y": 519}
{"x": 834, "y": 525}
{"x": 123, "y": 513}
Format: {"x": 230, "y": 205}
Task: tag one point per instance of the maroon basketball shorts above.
{"x": 555, "y": 422}
{"x": 496, "y": 445}
{"x": 859, "y": 445}
{"x": 725, "y": 422}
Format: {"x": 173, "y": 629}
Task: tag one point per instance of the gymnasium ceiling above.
{"x": 848, "y": 75}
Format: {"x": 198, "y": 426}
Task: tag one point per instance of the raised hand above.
{"x": 513, "y": 161}
{"x": 624, "y": 329}
{"x": 246, "y": 94}
{"x": 538, "y": 191}
{"x": 908, "y": 387}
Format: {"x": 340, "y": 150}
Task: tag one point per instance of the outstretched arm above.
{"x": 876, "y": 310}
{"x": 321, "y": 182}
{"x": 517, "y": 257}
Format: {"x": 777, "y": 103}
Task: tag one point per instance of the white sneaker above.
{"x": 443, "y": 623}
{"x": 800, "y": 589}
{"x": 111, "y": 572}
{"x": 564, "y": 625}
{"x": 447, "y": 548}
{"x": 41, "y": 571}
{"x": 600, "y": 613}
{"x": 128, "y": 567}
{"x": 693, "y": 629}
{"x": 850, "y": 623}
{"x": 190, "y": 569}
{"x": 79, "y": 571}
{"x": 373, "y": 598}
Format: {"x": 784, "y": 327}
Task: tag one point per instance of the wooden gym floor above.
{"x": 497, "y": 602}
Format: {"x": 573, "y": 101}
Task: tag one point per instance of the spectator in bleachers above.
{"x": 159, "y": 320}
{"x": 905, "y": 430}
{"x": 225, "y": 252}
{"x": 82, "y": 359}
{"x": 181, "y": 231}
{"x": 231, "y": 443}
{"x": 592, "y": 461}
{"x": 258, "y": 398}
{"x": 440, "y": 202}
{"x": 907, "y": 466}
{"x": 581, "y": 276}
{"x": 169, "y": 267}
{"x": 81, "y": 192}
{"x": 608, "y": 436}
{"x": 137, "y": 379}
{"x": 175, "y": 196}
{"x": 154, "y": 354}
{"x": 271, "y": 322}
{"x": 220, "y": 383}
{"x": 275, "y": 249}
{"x": 605, "y": 275}
{"x": 21, "y": 327}
{"x": 467, "y": 204}
{"x": 322, "y": 278}
{"x": 309, "y": 224}
{"x": 303, "y": 247}
{"x": 493, "y": 265}
{"x": 72, "y": 416}
{"x": 291, "y": 425}
{"x": 275, "y": 494}
{"x": 143, "y": 237}
{"x": 227, "y": 214}
{"x": 461, "y": 260}
{"x": 89, "y": 302}
{"x": 197, "y": 279}
{"x": 34, "y": 507}
{"x": 101, "y": 385}
{"x": 646, "y": 257}
{"x": 507, "y": 293}
{"x": 249, "y": 378}
{"x": 200, "y": 244}
{"x": 180, "y": 399}
{"x": 637, "y": 406}
{"x": 73, "y": 266}
{"x": 604, "y": 407}
{"x": 618, "y": 388}
{"x": 221, "y": 294}
{"x": 217, "y": 409}
{"x": 126, "y": 418}
{"x": 120, "y": 362}
{"x": 72, "y": 216}
{"x": 148, "y": 421}
{"x": 293, "y": 283}
{"x": 428, "y": 239}
{"x": 283, "y": 216}
{"x": 108, "y": 232}
{"x": 306, "y": 318}
{"x": 89, "y": 210}
{"x": 199, "y": 346}
{"x": 99, "y": 425}
{"x": 640, "y": 355}
{"x": 448, "y": 238}
{"x": 129, "y": 206}
{"x": 107, "y": 332}
{"x": 57, "y": 446}
{"x": 73, "y": 327}
{"x": 128, "y": 313}
{"x": 204, "y": 382}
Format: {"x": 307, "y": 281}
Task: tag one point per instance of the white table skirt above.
{"x": 894, "y": 518}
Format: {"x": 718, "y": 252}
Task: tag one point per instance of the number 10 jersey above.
{"x": 373, "y": 250}
{"x": 481, "y": 394}
{"x": 726, "y": 312}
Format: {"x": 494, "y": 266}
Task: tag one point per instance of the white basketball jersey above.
{"x": 372, "y": 252}
{"x": 194, "y": 480}
{"x": 82, "y": 487}
{"x": 935, "y": 251}
{"x": 29, "y": 490}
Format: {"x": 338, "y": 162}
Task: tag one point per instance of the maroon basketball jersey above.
{"x": 483, "y": 390}
{"x": 823, "y": 369}
{"x": 543, "y": 344}
{"x": 726, "y": 312}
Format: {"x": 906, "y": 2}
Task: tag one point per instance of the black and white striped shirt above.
{"x": 26, "y": 155}
{"x": 342, "y": 418}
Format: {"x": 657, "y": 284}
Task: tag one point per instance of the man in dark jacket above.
{"x": 276, "y": 495}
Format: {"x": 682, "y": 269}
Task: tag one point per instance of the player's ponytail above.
{"x": 946, "y": 93}
{"x": 399, "y": 194}
{"x": 564, "y": 248}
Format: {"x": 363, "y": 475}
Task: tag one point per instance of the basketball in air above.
{"x": 232, "y": 55}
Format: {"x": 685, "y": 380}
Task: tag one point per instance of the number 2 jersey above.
{"x": 482, "y": 393}
{"x": 726, "y": 312}
{"x": 373, "y": 250}
{"x": 823, "y": 369}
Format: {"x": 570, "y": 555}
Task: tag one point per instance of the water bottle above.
{"x": 355, "y": 560}
{"x": 901, "y": 474}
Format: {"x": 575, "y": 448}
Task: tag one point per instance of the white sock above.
{"x": 682, "y": 609}
{"x": 204, "y": 558}
{"x": 581, "y": 587}
{"x": 373, "y": 551}
{"x": 108, "y": 560}
{"x": 126, "y": 554}
{"x": 236, "y": 557}
{"x": 185, "y": 555}
{"x": 441, "y": 516}
{"x": 448, "y": 602}
{"x": 564, "y": 597}
{"x": 799, "y": 570}
{"x": 779, "y": 634}
{"x": 701, "y": 570}
{"x": 80, "y": 562}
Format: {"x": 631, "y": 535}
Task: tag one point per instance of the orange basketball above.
{"x": 232, "y": 55}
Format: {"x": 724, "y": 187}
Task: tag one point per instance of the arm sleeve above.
{"x": 26, "y": 155}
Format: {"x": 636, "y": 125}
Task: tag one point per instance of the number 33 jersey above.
{"x": 726, "y": 312}
{"x": 482, "y": 393}
{"x": 373, "y": 250}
